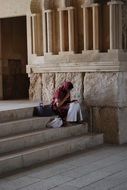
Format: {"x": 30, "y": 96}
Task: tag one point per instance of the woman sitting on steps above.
{"x": 62, "y": 105}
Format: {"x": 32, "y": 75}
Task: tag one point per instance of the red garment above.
{"x": 60, "y": 95}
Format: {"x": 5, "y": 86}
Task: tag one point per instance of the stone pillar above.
{"x": 70, "y": 11}
{"x": 85, "y": 28}
{"x": 115, "y": 9}
{"x": 61, "y": 30}
{"x": 95, "y": 14}
{"x": 44, "y": 31}
{"x": 38, "y": 35}
{"x": 49, "y": 31}
{"x": 33, "y": 33}
{"x": 71, "y": 28}
{"x": 29, "y": 37}
{"x": 1, "y": 82}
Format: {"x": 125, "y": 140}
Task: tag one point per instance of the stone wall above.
{"x": 42, "y": 86}
{"x": 105, "y": 93}
{"x": 48, "y": 82}
{"x": 101, "y": 93}
{"x": 35, "y": 90}
{"x": 11, "y": 8}
{"x": 100, "y": 89}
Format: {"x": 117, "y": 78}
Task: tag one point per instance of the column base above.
{"x": 66, "y": 52}
{"x": 90, "y": 51}
{"x": 116, "y": 51}
{"x": 34, "y": 55}
{"x": 48, "y": 53}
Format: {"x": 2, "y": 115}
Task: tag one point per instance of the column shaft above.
{"x": 44, "y": 32}
{"x": 1, "y": 77}
{"x": 85, "y": 28}
{"x": 71, "y": 29}
{"x": 33, "y": 34}
{"x": 95, "y": 11}
{"x": 29, "y": 37}
{"x": 49, "y": 31}
{"x": 120, "y": 28}
{"x": 115, "y": 8}
{"x": 111, "y": 27}
{"x": 61, "y": 31}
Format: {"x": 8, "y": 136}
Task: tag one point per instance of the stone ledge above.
{"x": 78, "y": 67}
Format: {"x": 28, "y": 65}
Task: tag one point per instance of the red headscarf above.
{"x": 67, "y": 85}
{"x": 62, "y": 91}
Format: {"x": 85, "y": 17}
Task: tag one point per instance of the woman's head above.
{"x": 67, "y": 86}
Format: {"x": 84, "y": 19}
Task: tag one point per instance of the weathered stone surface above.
{"x": 124, "y": 23}
{"x": 106, "y": 120}
{"x": 101, "y": 89}
{"x": 112, "y": 122}
{"x": 48, "y": 87}
{"x": 35, "y": 86}
{"x": 122, "y": 89}
{"x": 122, "y": 116}
{"x": 76, "y": 79}
{"x": 48, "y": 4}
{"x": 36, "y": 6}
{"x": 13, "y": 8}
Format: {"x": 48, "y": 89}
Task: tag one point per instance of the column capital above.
{"x": 32, "y": 15}
{"x": 86, "y": 5}
{"x": 48, "y": 11}
{"x": 65, "y": 8}
{"x": 114, "y": 2}
{"x": 95, "y": 5}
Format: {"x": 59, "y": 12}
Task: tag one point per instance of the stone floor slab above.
{"x": 61, "y": 174}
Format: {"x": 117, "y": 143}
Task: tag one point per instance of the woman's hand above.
{"x": 67, "y": 96}
{"x": 61, "y": 102}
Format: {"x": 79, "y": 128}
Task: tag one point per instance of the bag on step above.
{"x": 43, "y": 111}
{"x": 55, "y": 123}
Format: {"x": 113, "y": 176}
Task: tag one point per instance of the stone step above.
{"x": 25, "y": 140}
{"x": 16, "y": 114}
{"x": 23, "y": 125}
{"x": 25, "y": 158}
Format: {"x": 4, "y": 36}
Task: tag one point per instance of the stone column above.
{"x": 85, "y": 28}
{"x": 61, "y": 30}
{"x": 95, "y": 14}
{"x": 44, "y": 31}
{"x": 71, "y": 28}
{"x": 115, "y": 9}
{"x": 33, "y": 33}
{"x": 1, "y": 82}
{"x": 29, "y": 37}
{"x": 38, "y": 36}
{"x": 49, "y": 31}
{"x": 70, "y": 12}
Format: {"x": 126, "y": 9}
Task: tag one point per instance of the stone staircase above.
{"x": 25, "y": 140}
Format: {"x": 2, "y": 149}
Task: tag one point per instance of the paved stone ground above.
{"x": 102, "y": 168}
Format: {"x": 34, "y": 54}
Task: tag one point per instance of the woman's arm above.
{"x": 59, "y": 103}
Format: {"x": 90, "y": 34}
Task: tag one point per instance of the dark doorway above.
{"x": 14, "y": 58}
